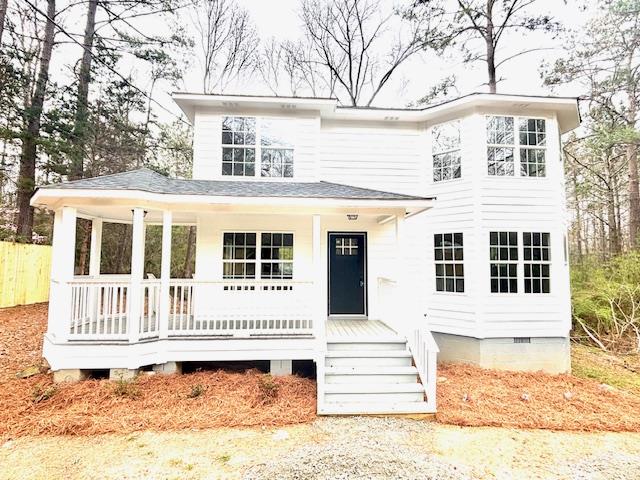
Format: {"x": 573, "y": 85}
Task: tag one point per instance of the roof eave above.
{"x": 51, "y": 197}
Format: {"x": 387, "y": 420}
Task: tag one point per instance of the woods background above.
{"x": 84, "y": 91}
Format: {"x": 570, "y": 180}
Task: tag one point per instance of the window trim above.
{"x": 258, "y": 259}
{"x": 258, "y": 147}
{"x": 517, "y": 147}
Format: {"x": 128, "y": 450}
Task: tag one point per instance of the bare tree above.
{"x": 228, "y": 43}
{"x": 350, "y": 40}
{"x": 33, "y": 116}
{"x": 287, "y": 68}
{"x": 487, "y": 21}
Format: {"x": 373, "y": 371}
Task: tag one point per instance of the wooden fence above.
{"x": 24, "y": 273}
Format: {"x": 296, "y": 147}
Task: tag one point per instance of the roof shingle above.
{"x": 147, "y": 180}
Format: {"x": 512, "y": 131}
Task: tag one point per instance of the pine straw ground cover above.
{"x": 466, "y": 396}
{"x": 35, "y": 406}
{"x": 471, "y": 396}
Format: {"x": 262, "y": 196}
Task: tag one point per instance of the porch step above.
{"x": 372, "y": 343}
{"x": 367, "y": 374}
{"x": 373, "y": 393}
{"x": 372, "y": 358}
{"x": 358, "y": 408}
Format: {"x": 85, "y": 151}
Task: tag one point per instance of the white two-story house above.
{"x": 364, "y": 239}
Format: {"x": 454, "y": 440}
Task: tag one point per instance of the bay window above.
{"x": 509, "y": 154}
{"x": 446, "y": 151}
{"x": 448, "y": 259}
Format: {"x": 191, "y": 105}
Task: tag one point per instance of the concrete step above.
{"x": 372, "y": 358}
{"x": 364, "y": 408}
{"x": 374, "y": 393}
{"x": 368, "y": 374}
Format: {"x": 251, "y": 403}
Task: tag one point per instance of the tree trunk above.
{"x": 191, "y": 239}
{"x": 78, "y": 137}
{"x": 27, "y": 174}
{"x": 578, "y": 210}
{"x": 634, "y": 196}
{"x": 84, "y": 243}
{"x": 491, "y": 51}
{"x": 3, "y": 14}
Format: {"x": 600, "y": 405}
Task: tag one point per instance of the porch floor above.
{"x": 357, "y": 328}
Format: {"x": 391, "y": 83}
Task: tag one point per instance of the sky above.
{"x": 280, "y": 19}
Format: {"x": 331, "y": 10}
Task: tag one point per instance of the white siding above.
{"x": 207, "y": 145}
{"x": 396, "y": 157}
{"x": 385, "y": 156}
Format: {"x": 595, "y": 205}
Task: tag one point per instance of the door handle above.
{"x": 361, "y": 283}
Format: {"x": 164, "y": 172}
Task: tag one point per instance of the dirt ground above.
{"x": 265, "y": 453}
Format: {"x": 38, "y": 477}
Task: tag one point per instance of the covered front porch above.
{"x": 275, "y": 279}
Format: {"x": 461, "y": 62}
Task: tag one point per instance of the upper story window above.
{"x": 239, "y": 146}
{"x": 502, "y": 144}
{"x": 245, "y": 139}
{"x": 446, "y": 151}
{"x": 277, "y": 149}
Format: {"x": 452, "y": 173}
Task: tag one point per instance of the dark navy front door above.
{"x": 347, "y": 273}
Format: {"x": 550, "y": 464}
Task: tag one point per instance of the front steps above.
{"x": 370, "y": 375}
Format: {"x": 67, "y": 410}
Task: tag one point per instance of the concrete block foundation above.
{"x": 547, "y": 354}
{"x": 122, "y": 373}
{"x": 69, "y": 375}
{"x": 168, "y": 368}
{"x": 280, "y": 367}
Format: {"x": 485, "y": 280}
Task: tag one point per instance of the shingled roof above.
{"x": 147, "y": 180}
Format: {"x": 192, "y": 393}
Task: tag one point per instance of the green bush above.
{"x": 605, "y": 297}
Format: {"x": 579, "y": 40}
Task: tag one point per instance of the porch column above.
{"x": 96, "y": 247}
{"x": 137, "y": 272}
{"x": 62, "y": 271}
{"x": 165, "y": 273}
{"x": 402, "y": 315}
{"x": 319, "y": 305}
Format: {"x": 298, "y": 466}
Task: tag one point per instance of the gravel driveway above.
{"x": 328, "y": 449}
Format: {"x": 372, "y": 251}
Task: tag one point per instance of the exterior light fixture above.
{"x": 352, "y": 216}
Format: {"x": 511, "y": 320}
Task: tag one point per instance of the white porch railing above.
{"x": 414, "y": 327}
{"x": 99, "y": 308}
{"x": 240, "y": 308}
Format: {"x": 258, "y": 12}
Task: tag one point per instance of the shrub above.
{"x": 196, "y": 391}
{"x": 606, "y": 301}
{"x": 268, "y": 388}
{"x": 126, "y": 388}
{"x": 41, "y": 394}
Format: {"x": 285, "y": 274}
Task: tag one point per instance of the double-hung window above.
{"x": 446, "y": 151}
{"x": 239, "y": 146}
{"x": 239, "y": 255}
{"x": 448, "y": 259}
{"x": 276, "y": 255}
{"x": 503, "y": 256}
{"x": 537, "y": 262}
{"x": 533, "y": 141}
{"x": 276, "y": 148}
{"x": 500, "y": 146}
{"x": 515, "y": 151}
{"x": 273, "y": 252}
{"x": 247, "y": 141}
